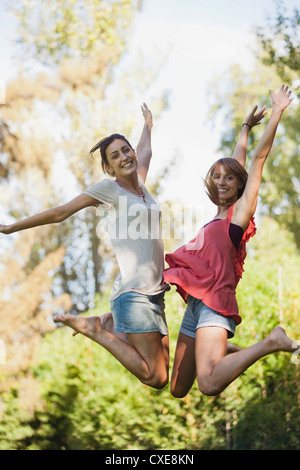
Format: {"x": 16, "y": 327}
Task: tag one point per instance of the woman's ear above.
{"x": 109, "y": 170}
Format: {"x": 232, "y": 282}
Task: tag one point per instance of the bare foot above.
{"x": 86, "y": 325}
{"x": 279, "y": 341}
{"x": 231, "y": 348}
{"x": 106, "y": 321}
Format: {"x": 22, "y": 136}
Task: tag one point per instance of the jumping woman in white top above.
{"x": 137, "y": 335}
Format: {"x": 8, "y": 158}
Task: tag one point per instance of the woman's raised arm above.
{"x": 144, "y": 150}
{"x": 246, "y": 205}
{"x": 240, "y": 151}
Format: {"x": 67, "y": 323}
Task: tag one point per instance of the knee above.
{"x": 158, "y": 381}
{"x": 177, "y": 391}
{"x": 160, "y": 384}
{"x": 208, "y": 388}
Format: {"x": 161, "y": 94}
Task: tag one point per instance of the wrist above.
{"x": 245, "y": 125}
{"x": 276, "y": 114}
{"x": 277, "y": 109}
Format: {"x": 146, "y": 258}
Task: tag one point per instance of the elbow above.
{"x": 59, "y": 215}
{"x": 144, "y": 154}
{"x": 260, "y": 156}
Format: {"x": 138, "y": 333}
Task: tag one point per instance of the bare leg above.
{"x": 215, "y": 371}
{"x": 184, "y": 366}
{"x": 144, "y": 355}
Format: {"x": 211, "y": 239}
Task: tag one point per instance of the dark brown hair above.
{"x": 103, "y": 144}
{"x": 231, "y": 166}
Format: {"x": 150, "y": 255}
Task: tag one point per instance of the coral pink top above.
{"x": 209, "y": 267}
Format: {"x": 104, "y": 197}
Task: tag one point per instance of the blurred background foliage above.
{"x": 59, "y": 392}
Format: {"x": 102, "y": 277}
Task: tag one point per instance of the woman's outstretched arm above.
{"x": 51, "y": 216}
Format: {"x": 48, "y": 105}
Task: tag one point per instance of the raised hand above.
{"x": 282, "y": 99}
{"x": 255, "y": 119}
{"x": 147, "y": 115}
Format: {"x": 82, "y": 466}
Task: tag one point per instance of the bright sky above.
{"x": 202, "y": 37}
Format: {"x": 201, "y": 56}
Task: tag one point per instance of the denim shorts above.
{"x": 134, "y": 312}
{"x": 198, "y": 315}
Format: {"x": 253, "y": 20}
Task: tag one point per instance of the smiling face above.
{"x": 225, "y": 181}
{"x": 121, "y": 159}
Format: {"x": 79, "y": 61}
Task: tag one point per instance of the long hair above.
{"x": 231, "y": 166}
{"x": 103, "y": 144}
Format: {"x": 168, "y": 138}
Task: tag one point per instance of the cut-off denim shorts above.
{"x": 134, "y": 312}
{"x": 198, "y": 315}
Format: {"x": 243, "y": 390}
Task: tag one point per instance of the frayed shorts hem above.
{"x": 198, "y": 315}
{"x": 134, "y": 312}
{"x": 122, "y": 330}
{"x": 192, "y": 334}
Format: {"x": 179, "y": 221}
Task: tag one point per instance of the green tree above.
{"x": 280, "y": 44}
{"x": 279, "y": 39}
{"x": 26, "y": 304}
{"x": 57, "y": 30}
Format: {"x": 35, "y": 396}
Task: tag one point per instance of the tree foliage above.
{"x": 280, "y": 42}
{"x": 26, "y": 303}
{"x": 73, "y": 28}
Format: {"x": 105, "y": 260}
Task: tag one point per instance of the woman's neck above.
{"x": 221, "y": 213}
{"x": 222, "y": 210}
{"x": 131, "y": 183}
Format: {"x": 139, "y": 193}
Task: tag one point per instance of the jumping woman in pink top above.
{"x": 207, "y": 269}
